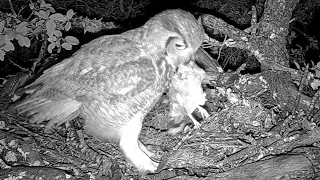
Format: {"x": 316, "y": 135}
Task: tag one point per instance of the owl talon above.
{"x": 136, "y": 153}
{"x": 145, "y": 149}
{"x": 197, "y": 125}
{"x": 203, "y": 112}
{"x": 142, "y": 161}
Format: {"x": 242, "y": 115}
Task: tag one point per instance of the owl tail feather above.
{"x": 56, "y": 112}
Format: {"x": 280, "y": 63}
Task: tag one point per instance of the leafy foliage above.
{"x": 43, "y": 19}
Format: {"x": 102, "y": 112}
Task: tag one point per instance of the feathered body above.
{"x": 187, "y": 95}
{"x": 115, "y": 80}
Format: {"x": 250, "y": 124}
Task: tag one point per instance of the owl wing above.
{"x": 109, "y": 68}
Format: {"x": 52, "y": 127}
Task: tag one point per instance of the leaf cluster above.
{"x": 42, "y": 20}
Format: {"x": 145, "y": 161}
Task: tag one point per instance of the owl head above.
{"x": 176, "y": 35}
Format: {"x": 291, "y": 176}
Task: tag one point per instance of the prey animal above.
{"x": 187, "y": 95}
{"x": 115, "y": 80}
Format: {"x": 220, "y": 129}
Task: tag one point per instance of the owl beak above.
{"x": 180, "y": 61}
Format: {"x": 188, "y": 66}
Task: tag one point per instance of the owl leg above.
{"x": 203, "y": 112}
{"x": 134, "y": 150}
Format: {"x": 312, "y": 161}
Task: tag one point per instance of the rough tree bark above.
{"x": 238, "y": 153}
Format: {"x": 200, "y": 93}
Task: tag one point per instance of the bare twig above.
{"x": 225, "y": 38}
{"x": 30, "y": 15}
{"x": 42, "y": 53}
{"x": 314, "y": 100}
{"x": 23, "y": 69}
{"x": 303, "y": 80}
{"x": 11, "y": 7}
{"x": 23, "y": 7}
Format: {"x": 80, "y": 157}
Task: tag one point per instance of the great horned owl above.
{"x": 115, "y": 80}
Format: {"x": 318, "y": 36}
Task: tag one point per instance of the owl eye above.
{"x": 176, "y": 43}
{"x": 180, "y": 45}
